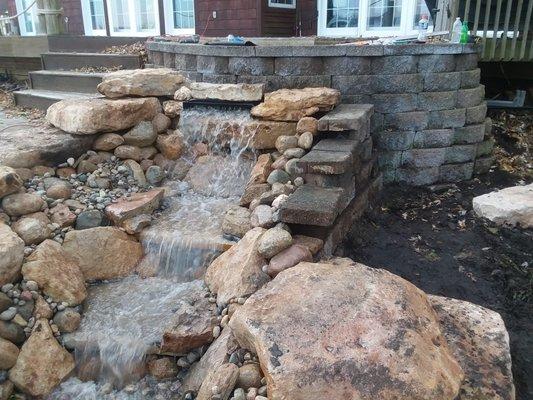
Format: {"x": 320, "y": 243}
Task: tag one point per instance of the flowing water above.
{"x": 124, "y": 320}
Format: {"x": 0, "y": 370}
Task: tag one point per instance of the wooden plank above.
{"x": 495, "y": 29}
{"x": 506, "y": 28}
{"x": 467, "y": 10}
{"x": 485, "y": 29}
{"x": 516, "y": 30}
{"x": 476, "y": 16}
{"x": 526, "y": 30}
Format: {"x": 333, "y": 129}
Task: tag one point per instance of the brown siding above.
{"x": 278, "y": 21}
{"x": 238, "y": 17}
{"x": 72, "y": 10}
{"x": 308, "y": 17}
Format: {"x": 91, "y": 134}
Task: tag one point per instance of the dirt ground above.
{"x": 434, "y": 240}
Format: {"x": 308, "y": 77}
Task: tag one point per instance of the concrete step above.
{"x": 42, "y": 99}
{"x": 346, "y": 117}
{"x": 65, "y": 81}
{"x": 72, "y": 61}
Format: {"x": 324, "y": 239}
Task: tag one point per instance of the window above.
{"x": 384, "y": 13}
{"x": 282, "y": 3}
{"x": 179, "y": 17}
{"x": 145, "y": 15}
{"x": 97, "y": 14}
{"x": 421, "y": 9}
{"x": 27, "y": 21}
{"x": 342, "y": 13}
{"x": 120, "y": 14}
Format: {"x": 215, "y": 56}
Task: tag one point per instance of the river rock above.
{"x": 136, "y": 204}
{"x": 253, "y": 191}
{"x": 42, "y": 363}
{"x": 236, "y": 221}
{"x": 12, "y": 332}
{"x": 141, "y": 135}
{"x": 103, "y": 252}
{"x": 286, "y": 142}
{"x": 5, "y": 302}
{"x": 274, "y": 241}
{"x": 307, "y": 124}
{"x": 22, "y": 203}
{"x": 11, "y": 255}
{"x": 173, "y": 108}
{"x": 278, "y": 176}
{"x": 171, "y": 145}
{"x": 162, "y": 368}
{"x": 262, "y": 216}
{"x": 480, "y": 343}
{"x": 296, "y": 152}
{"x": 32, "y": 230}
{"x": 136, "y": 224}
{"x": 346, "y": 331}
{"x": 6, "y": 390}
{"x": 62, "y": 216}
{"x": 237, "y": 272}
{"x": 223, "y": 379}
{"x": 509, "y": 206}
{"x": 108, "y": 142}
{"x": 313, "y": 244}
{"x": 89, "y": 116}
{"x": 8, "y": 354}
{"x": 261, "y": 169}
{"x": 89, "y": 219}
{"x": 154, "y": 174}
{"x": 67, "y": 320}
{"x": 10, "y": 181}
{"x": 161, "y": 123}
{"x": 127, "y": 152}
{"x": 294, "y": 104}
{"x": 288, "y": 258}
{"x": 136, "y": 171}
{"x": 249, "y": 376}
{"x": 226, "y": 91}
{"x": 56, "y": 273}
{"x": 42, "y": 309}
{"x": 148, "y": 153}
{"x": 141, "y": 82}
{"x": 305, "y": 141}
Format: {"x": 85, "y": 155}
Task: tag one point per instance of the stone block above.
{"x": 346, "y": 180}
{"x": 326, "y": 162}
{"x": 485, "y": 147}
{"x": 395, "y": 103}
{"x": 460, "y": 153}
{"x": 406, "y": 121}
{"x": 434, "y": 101}
{"x": 212, "y": 64}
{"x": 366, "y": 149}
{"x": 423, "y": 158}
{"x": 346, "y": 117}
{"x": 185, "y": 62}
{"x": 347, "y": 65}
{"x": 436, "y": 63}
{"x": 217, "y": 78}
{"x": 155, "y": 57}
{"x": 456, "y": 172}
{"x": 469, "y": 134}
{"x": 428, "y": 48}
{"x": 394, "y": 140}
{"x": 447, "y": 118}
{"x": 482, "y": 165}
{"x": 364, "y": 51}
{"x": 389, "y": 175}
{"x": 466, "y": 62}
{"x": 326, "y": 51}
{"x": 352, "y": 84}
{"x": 418, "y": 176}
{"x": 356, "y": 99}
{"x": 394, "y": 65}
{"x": 311, "y": 205}
{"x": 342, "y": 145}
{"x": 389, "y": 159}
{"x": 271, "y": 82}
{"x": 251, "y": 66}
{"x": 470, "y": 79}
{"x": 488, "y": 127}
{"x": 192, "y": 75}
{"x": 168, "y": 60}
{"x": 477, "y": 114}
{"x": 404, "y": 83}
{"x": 287, "y": 66}
{"x": 442, "y": 81}
{"x": 433, "y": 138}
{"x": 376, "y": 122}
{"x": 302, "y": 82}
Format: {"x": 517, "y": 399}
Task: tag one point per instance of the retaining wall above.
{"x": 429, "y": 123}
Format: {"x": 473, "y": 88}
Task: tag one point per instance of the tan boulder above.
{"x": 8, "y": 354}
{"x": 108, "y": 142}
{"x": 10, "y": 181}
{"x": 307, "y": 124}
{"x": 62, "y": 215}
{"x": 479, "y": 341}
{"x": 17, "y": 204}
{"x": 42, "y": 363}
{"x": 141, "y": 82}
{"x": 219, "y": 382}
{"x": 11, "y": 254}
{"x": 32, "y": 230}
{"x": 237, "y": 272}
{"x": 171, "y": 145}
{"x": 89, "y": 116}
{"x": 253, "y": 191}
{"x": 172, "y": 108}
{"x": 261, "y": 169}
{"x": 136, "y": 204}
{"x": 162, "y": 368}
{"x": 57, "y": 275}
{"x": 294, "y": 104}
{"x": 103, "y": 252}
{"x": 236, "y": 221}
{"x": 313, "y": 244}
{"x": 226, "y": 91}
{"x": 6, "y": 390}
{"x": 346, "y": 331}
{"x": 204, "y": 173}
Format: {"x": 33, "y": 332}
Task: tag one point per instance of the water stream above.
{"x": 123, "y": 320}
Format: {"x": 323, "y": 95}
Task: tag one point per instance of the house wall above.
{"x": 237, "y": 17}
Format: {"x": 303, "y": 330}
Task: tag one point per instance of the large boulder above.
{"x": 479, "y": 341}
{"x": 11, "y": 254}
{"x": 136, "y": 204}
{"x": 220, "y": 382}
{"x": 236, "y": 221}
{"x": 226, "y": 91}
{"x": 89, "y": 116}
{"x": 10, "y": 182}
{"x": 346, "y": 331}
{"x": 42, "y": 363}
{"x": 103, "y": 252}
{"x": 8, "y": 354}
{"x": 510, "y": 206}
{"x": 56, "y": 273}
{"x": 141, "y": 82}
{"x": 294, "y": 104}
{"x": 237, "y": 272}
{"x": 32, "y": 230}
{"x": 17, "y": 204}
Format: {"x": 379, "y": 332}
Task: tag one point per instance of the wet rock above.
{"x": 357, "y": 332}
{"x": 141, "y": 82}
{"x": 155, "y": 174}
{"x": 479, "y": 341}
{"x": 143, "y": 134}
{"x": 127, "y": 152}
{"x": 22, "y": 203}
{"x": 261, "y": 169}
{"x": 136, "y": 204}
{"x": 288, "y": 258}
{"x": 108, "y": 142}
{"x": 8, "y": 314}
{"x": 62, "y": 216}
{"x": 12, "y": 332}
{"x": 313, "y": 244}
{"x": 237, "y": 272}
{"x": 11, "y": 255}
{"x": 173, "y": 108}
{"x": 262, "y": 217}
{"x": 220, "y": 382}
{"x": 136, "y": 224}
{"x": 162, "y": 368}
{"x": 10, "y": 181}
{"x": 278, "y": 176}
{"x": 67, "y": 320}
{"x": 307, "y": 124}
{"x": 56, "y": 274}
{"x": 305, "y": 141}
{"x": 249, "y": 376}
{"x": 274, "y": 241}
{"x": 89, "y": 116}
{"x": 32, "y": 230}
{"x": 253, "y": 191}
{"x": 171, "y": 145}
{"x": 509, "y": 206}
{"x": 236, "y": 221}
{"x": 89, "y": 219}
{"x": 42, "y": 363}
{"x": 226, "y": 91}
{"x": 161, "y": 123}
{"x": 286, "y": 142}
{"x": 204, "y": 172}
{"x": 294, "y": 104}
{"x": 103, "y": 252}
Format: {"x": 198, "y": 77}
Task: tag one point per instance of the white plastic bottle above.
{"x": 456, "y": 31}
{"x": 423, "y": 28}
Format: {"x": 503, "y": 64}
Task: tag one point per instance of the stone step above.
{"x": 346, "y": 117}
{"x": 42, "y": 99}
{"x": 72, "y": 61}
{"x": 312, "y": 205}
{"x": 65, "y": 81}
{"x": 326, "y": 162}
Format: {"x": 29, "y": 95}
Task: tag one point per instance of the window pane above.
{"x": 120, "y": 15}
{"x": 28, "y": 20}
{"x": 421, "y": 9}
{"x": 342, "y": 13}
{"x": 97, "y": 14}
{"x": 145, "y": 15}
{"x": 183, "y": 14}
{"x": 384, "y": 13}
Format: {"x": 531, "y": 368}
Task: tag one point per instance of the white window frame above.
{"x": 168, "y": 6}
{"x": 273, "y": 4}
{"x": 362, "y": 30}
{"x": 132, "y": 15}
{"x": 22, "y": 18}
{"x": 87, "y": 20}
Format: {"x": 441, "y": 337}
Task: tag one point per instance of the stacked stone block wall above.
{"x": 429, "y": 124}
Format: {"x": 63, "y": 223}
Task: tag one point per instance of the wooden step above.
{"x": 73, "y": 61}
{"x": 42, "y": 99}
{"x": 65, "y": 81}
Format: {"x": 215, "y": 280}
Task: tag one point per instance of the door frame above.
{"x": 168, "y": 7}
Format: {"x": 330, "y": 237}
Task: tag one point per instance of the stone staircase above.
{"x": 60, "y": 79}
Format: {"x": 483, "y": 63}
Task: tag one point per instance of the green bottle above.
{"x": 464, "y": 33}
